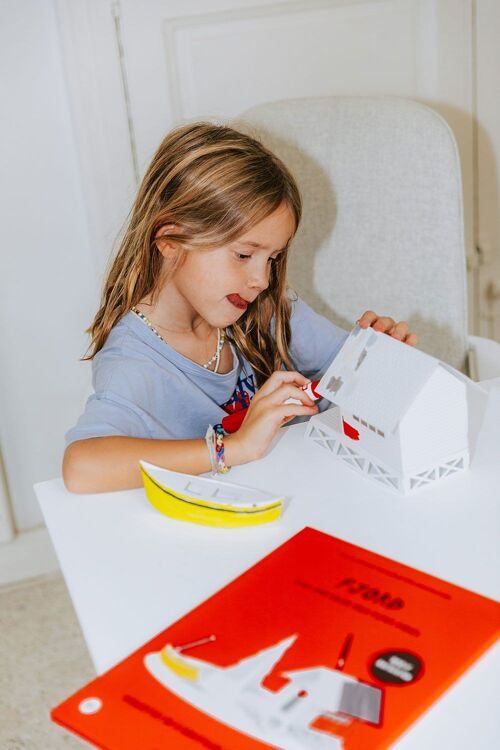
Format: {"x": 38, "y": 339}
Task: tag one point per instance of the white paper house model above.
{"x": 399, "y": 416}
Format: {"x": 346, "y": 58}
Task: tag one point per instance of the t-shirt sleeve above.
{"x": 123, "y": 390}
{"x": 107, "y": 413}
{"x": 315, "y": 340}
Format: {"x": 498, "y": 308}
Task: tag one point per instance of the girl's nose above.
{"x": 259, "y": 278}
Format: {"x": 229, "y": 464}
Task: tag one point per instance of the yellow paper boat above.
{"x": 207, "y": 501}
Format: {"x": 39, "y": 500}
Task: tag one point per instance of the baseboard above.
{"x": 29, "y": 555}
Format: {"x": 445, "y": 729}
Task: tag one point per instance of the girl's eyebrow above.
{"x": 262, "y": 247}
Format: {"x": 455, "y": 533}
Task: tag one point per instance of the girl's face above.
{"x": 219, "y": 284}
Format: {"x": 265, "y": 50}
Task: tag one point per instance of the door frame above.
{"x": 92, "y": 55}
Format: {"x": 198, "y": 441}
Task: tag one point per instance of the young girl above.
{"x": 196, "y": 321}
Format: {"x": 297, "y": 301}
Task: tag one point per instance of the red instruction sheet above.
{"x": 321, "y": 644}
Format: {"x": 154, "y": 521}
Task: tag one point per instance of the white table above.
{"x": 131, "y": 571}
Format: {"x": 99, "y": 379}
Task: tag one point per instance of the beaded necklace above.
{"x": 221, "y": 338}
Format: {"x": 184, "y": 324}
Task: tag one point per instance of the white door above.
{"x": 211, "y": 59}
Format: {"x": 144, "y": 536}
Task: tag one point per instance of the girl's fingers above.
{"x": 279, "y": 378}
{"x": 399, "y": 331}
{"x": 286, "y": 391}
{"x": 383, "y": 325}
{"x": 388, "y": 325}
{"x": 286, "y": 411}
{"x": 411, "y": 339}
{"x": 377, "y": 322}
{"x": 367, "y": 319}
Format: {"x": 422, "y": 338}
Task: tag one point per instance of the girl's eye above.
{"x": 242, "y": 257}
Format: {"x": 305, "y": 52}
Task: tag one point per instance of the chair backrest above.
{"x": 382, "y": 225}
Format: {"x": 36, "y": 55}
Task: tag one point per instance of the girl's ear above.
{"x": 164, "y": 246}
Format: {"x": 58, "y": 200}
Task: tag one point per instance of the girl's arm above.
{"x": 106, "y": 464}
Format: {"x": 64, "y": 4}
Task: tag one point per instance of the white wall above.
{"x": 44, "y": 256}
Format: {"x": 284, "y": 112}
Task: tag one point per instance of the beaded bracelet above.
{"x": 215, "y": 443}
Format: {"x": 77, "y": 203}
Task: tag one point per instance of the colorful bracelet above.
{"x": 215, "y": 443}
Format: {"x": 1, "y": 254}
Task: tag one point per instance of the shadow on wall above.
{"x": 486, "y": 201}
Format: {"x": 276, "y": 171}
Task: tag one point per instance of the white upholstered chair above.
{"x": 382, "y": 225}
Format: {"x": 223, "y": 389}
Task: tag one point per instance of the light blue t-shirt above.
{"x": 143, "y": 388}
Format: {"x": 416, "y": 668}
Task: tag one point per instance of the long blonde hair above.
{"x": 215, "y": 183}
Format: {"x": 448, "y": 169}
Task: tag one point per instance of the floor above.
{"x": 43, "y": 659}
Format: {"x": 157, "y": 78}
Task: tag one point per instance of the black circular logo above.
{"x": 396, "y": 667}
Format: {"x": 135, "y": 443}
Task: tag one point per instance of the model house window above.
{"x": 370, "y": 426}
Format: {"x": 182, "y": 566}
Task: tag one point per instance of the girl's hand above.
{"x": 267, "y": 413}
{"x": 387, "y": 325}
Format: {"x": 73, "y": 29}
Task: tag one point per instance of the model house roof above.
{"x": 376, "y": 378}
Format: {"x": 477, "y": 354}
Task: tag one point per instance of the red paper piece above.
{"x": 350, "y": 431}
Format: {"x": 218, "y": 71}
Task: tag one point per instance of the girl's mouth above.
{"x": 237, "y": 301}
